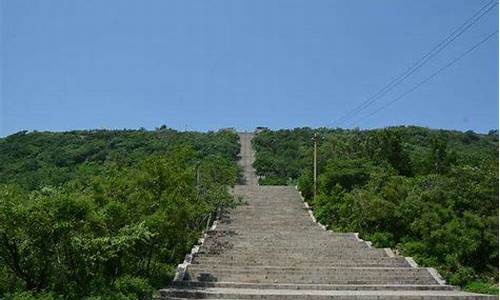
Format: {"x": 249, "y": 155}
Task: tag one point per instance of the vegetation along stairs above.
{"x": 269, "y": 247}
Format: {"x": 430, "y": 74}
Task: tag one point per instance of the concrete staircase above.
{"x": 270, "y": 248}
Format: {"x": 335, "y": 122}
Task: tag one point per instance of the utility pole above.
{"x": 198, "y": 178}
{"x": 315, "y": 139}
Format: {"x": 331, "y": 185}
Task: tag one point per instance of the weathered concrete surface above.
{"x": 270, "y": 248}
{"x": 247, "y": 157}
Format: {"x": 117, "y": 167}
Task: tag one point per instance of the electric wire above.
{"x": 427, "y": 79}
{"x": 421, "y": 62}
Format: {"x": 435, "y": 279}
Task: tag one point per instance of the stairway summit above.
{"x": 270, "y": 248}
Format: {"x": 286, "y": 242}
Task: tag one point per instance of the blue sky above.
{"x": 205, "y": 65}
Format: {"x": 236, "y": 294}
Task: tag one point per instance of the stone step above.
{"x": 292, "y": 264}
{"x": 245, "y": 246}
{"x": 292, "y": 286}
{"x": 332, "y": 271}
{"x": 379, "y": 261}
{"x": 279, "y": 241}
{"x": 288, "y": 294}
{"x": 247, "y": 240}
{"x": 312, "y": 264}
{"x": 277, "y": 256}
{"x": 313, "y": 233}
{"x": 282, "y": 238}
{"x": 297, "y": 258}
{"x": 290, "y": 230}
{"x": 235, "y": 250}
{"x": 283, "y": 245}
{"x": 228, "y": 248}
{"x": 316, "y": 278}
{"x": 316, "y": 231}
{"x": 297, "y": 277}
{"x": 339, "y": 273}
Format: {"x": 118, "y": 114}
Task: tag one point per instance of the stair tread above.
{"x": 315, "y": 292}
{"x": 269, "y": 247}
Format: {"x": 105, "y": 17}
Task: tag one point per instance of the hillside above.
{"x": 430, "y": 194}
{"x": 106, "y": 214}
{"x": 270, "y": 247}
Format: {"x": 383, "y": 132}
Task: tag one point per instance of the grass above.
{"x": 482, "y": 288}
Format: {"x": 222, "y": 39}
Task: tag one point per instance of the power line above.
{"x": 433, "y": 52}
{"x": 421, "y": 62}
{"x": 430, "y": 77}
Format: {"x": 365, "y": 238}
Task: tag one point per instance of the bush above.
{"x": 126, "y": 209}
{"x": 31, "y": 296}
{"x": 134, "y": 287}
{"x": 382, "y": 239}
{"x": 482, "y": 287}
{"x": 419, "y": 190}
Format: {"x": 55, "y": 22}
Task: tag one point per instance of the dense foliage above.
{"x": 430, "y": 194}
{"x": 106, "y": 214}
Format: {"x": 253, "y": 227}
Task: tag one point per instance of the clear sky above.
{"x": 208, "y": 64}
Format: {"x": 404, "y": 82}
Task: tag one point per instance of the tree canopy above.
{"x": 106, "y": 214}
{"x": 430, "y": 194}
